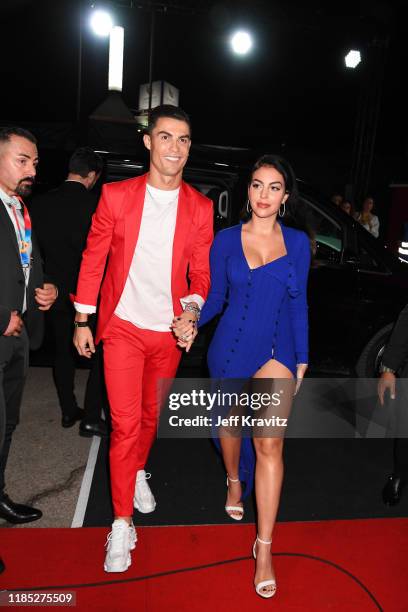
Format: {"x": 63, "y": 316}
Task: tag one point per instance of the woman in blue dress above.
{"x": 259, "y": 273}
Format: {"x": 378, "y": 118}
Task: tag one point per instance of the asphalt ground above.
{"x": 324, "y": 479}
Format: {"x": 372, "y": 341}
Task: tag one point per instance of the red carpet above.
{"x": 331, "y": 565}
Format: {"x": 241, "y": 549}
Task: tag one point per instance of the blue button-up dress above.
{"x": 264, "y": 313}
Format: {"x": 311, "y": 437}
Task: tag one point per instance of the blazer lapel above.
{"x": 132, "y": 218}
{"x": 185, "y": 210}
{"x": 9, "y": 227}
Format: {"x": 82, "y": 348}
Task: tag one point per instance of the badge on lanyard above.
{"x": 24, "y": 236}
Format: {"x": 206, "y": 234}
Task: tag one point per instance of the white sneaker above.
{"x": 121, "y": 540}
{"x": 143, "y": 499}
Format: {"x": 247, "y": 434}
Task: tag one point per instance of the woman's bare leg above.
{"x": 231, "y": 447}
{"x": 268, "y": 479}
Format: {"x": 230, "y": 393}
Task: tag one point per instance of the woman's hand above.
{"x": 185, "y": 329}
{"x": 300, "y": 372}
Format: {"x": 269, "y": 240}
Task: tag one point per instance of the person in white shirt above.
{"x": 367, "y": 218}
{"x": 151, "y": 232}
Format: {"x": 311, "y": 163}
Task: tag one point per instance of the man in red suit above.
{"x": 150, "y": 232}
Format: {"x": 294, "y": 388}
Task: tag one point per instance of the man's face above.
{"x": 18, "y": 165}
{"x": 169, "y": 146}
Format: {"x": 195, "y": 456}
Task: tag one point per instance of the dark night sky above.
{"x": 293, "y": 88}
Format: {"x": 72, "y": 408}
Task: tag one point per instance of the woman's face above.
{"x": 368, "y": 205}
{"x": 266, "y": 192}
{"x": 346, "y": 206}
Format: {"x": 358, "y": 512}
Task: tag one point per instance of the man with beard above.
{"x": 23, "y": 293}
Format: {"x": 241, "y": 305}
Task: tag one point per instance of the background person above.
{"x": 347, "y": 207}
{"x": 337, "y": 199}
{"x": 62, "y": 218}
{"x": 367, "y": 218}
{"x": 395, "y": 359}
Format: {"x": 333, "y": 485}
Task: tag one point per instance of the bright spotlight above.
{"x": 241, "y": 43}
{"x": 101, "y": 23}
{"x": 352, "y": 59}
{"x": 116, "y": 40}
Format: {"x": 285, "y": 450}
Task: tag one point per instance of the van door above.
{"x": 332, "y": 295}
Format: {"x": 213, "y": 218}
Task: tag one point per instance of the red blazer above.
{"x": 114, "y": 233}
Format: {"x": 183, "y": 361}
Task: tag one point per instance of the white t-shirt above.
{"x": 146, "y": 300}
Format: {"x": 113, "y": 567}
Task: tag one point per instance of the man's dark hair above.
{"x": 167, "y": 110}
{"x": 7, "y": 132}
{"x": 84, "y": 160}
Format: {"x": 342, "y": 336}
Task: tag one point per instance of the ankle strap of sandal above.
{"x": 263, "y": 541}
{"x": 232, "y": 479}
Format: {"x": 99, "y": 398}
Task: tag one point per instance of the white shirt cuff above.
{"x": 192, "y": 298}
{"x": 84, "y": 308}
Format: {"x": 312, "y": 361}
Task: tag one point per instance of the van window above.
{"x": 326, "y": 234}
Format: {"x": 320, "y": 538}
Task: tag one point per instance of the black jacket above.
{"x": 12, "y": 281}
{"x": 61, "y": 219}
{"x": 396, "y": 352}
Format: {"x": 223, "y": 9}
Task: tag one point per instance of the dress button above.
{"x": 290, "y": 276}
{"x": 232, "y": 350}
{"x": 247, "y": 295}
{"x": 290, "y": 263}
{"x": 239, "y": 328}
{"x": 246, "y": 307}
{"x": 243, "y": 318}
{"x": 236, "y": 340}
{"x": 223, "y": 371}
{"x": 249, "y": 284}
{"x": 227, "y": 362}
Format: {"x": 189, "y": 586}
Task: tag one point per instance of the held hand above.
{"x": 187, "y": 344}
{"x": 15, "y": 325}
{"x": 83, "y": 341}
{"x": 300, "y": 372}
{"x": 46, "y": 296}
{"x": 386, "y": 383}
{"x": 184, "y": 324}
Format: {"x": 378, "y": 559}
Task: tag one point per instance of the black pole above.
{"x": 79, "y": 81}
{"x": 152, "y": 24}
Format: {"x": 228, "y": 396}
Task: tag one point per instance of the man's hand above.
{"x": 184, "y": 328}
{"x": 46, "y": 296}
{"x": 83, "y": 341}
{"x": 15, "y": 325}
{"x": 386, "y": 383}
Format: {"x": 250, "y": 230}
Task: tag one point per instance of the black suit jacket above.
{"x": 61, "y": 219}
{"x": 12, "y": 282}
{"x": 396, "y": 352}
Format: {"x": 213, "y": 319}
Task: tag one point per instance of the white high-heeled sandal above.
{"x": 238, "y": 509}
{"x": 264, "y": 583}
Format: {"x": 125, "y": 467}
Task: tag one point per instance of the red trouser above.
{"x": 134, "y": 360}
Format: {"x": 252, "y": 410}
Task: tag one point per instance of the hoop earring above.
{"x": 282, "y": 214}
{"x": 248, "y": 207}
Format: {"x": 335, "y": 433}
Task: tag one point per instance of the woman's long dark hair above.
{"x": 295, "y": 213}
